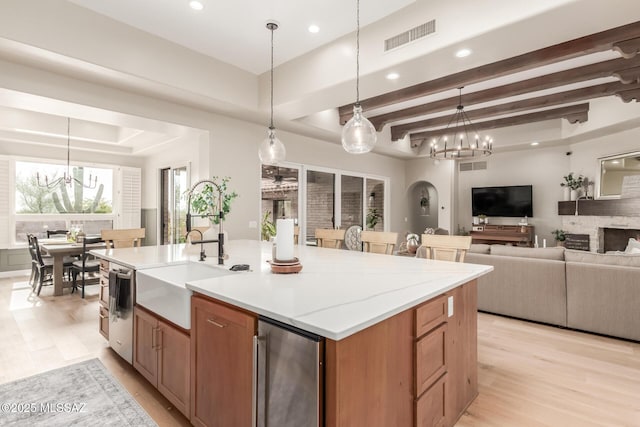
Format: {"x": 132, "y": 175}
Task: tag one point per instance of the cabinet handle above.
{"x": 102, "y": 316}
{"x": 219, "y": 325}
{"x": 254, "y": 384}
{"x": 159, "y": 338}
{"x": 153, "y": 338}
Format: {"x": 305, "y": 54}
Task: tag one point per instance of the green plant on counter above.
{"x": 572, "y": 182}
{"x": 559, "y": 235}
{"x": 205, "y": 201}
{"x": 267, "y": 227}
{"x": 372, "y": 218}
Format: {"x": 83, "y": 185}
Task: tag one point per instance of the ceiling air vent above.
{"x": 475, "y": 166}
{"x": 410, "y": 35}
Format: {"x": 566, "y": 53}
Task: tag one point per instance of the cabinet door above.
{"x": 104, "y": 322}
{"x": 431, "y": 406}
{"x": 221, "y": 365}
{"x": 145, "y": 356}
{"x": 173, "y": 366}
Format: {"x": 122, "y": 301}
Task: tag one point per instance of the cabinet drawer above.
{"x": 104, "y": 266}
{"x": 430, "y": 315}
{"x": 430, "y": 407}
{"x": 104, "y": 292}
{"x": 431, "y": 358}
{"x": 104, "y": 322}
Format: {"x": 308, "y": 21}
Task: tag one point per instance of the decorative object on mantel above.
{"x": 461, "y": 145}
{"x": 68, "y": 178}
{"x": 571, "y": 185}
{"x": 560, "y": 236}
{"x": 577, "y": 241}
{"x": 272, "y": 150}
{"x": 358, "y": 134}
{"x": 482, "y": 219}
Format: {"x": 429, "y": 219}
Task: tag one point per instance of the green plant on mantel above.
{"x": 559, "y": 235}
{"x": 572, "y": 182}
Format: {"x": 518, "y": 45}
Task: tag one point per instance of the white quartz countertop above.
{"x": 337, "y": 293}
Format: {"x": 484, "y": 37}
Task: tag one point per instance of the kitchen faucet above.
{"x": 220, "y": 216}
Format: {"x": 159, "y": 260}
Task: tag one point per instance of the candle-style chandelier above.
{"x": 67, "y": 178}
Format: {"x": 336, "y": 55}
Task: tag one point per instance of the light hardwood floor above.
{"x": 529, "y": 374}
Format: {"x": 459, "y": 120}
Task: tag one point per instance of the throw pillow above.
{"x": 631, "y": 245}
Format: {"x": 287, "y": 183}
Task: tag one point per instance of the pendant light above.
{"x": 271, "y": 150}
{"x": 358, "y": 134}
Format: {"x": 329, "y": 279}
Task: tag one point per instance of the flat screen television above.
{"x": 511, "y": 201}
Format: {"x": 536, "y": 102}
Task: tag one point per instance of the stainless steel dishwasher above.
{"x": 289, "y": 370}
{"x": 121, "y": 299}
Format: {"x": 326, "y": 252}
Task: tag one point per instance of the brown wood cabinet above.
{"x": 161, "y": 353}
{"x": 221, "y": 364}
{"x": 104, "y": 298}
{"x": 521, "y": 235}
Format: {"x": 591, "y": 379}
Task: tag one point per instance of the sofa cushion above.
{"x": 633, "y": 247}
{"x": 479, "y": 248}
{"x": 625, "y": 260}
{"x": 556, "y": 253}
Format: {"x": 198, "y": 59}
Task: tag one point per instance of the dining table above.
{"x": 58, "y": 249}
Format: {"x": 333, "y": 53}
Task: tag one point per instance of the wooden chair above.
{"x": 42, "y": 268}
{"x": 56, "y": 233}
{"x": 329, "y": 238}
{"x": 378, "y": 242}
{"x": 446, "y": 248}
{"x": 296, "y": 234}
{"x": 123, "y": 238}
{"x": 84, "y": 265}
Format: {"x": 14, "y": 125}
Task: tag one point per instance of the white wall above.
{"x": 542, "y": 168}
{"x": 440, "y": 175}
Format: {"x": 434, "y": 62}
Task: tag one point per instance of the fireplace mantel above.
{"x": 613, "y": 207}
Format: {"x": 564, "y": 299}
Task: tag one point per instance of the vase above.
{"x": 412, "y": 245}
{"x": 566, "y": 194}
{"x": 574, "y": 195}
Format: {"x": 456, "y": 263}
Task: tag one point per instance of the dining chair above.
{"x": 123, "y": 238}
{"x": 56, "y": 233}
{"x": 296, "y": 234}
{"x": 41, "y": 268}
{"x": 85, "y": 265}
{"x": 329, "y": 238}
{"x": 379, "y": 242}
{"x": 445, "y": 248}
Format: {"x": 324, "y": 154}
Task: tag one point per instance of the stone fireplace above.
{"x": 606, "y": 233}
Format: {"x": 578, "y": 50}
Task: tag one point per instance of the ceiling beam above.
{"x": 612, "y": 67}
{"x": 628, "y": 48}
{"x": 574, "y": 114}
{"x": 630, "y": 95}
{"x": 597, "y": 42}
{"x": 582, "y": 94}
{"x": 631, "y": 75}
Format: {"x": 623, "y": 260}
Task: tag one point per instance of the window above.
{"x": 34, "y": 208}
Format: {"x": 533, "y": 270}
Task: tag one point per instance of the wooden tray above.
{"x": 285, "y": 268}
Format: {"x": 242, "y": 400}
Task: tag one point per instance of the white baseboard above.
{"x": 14, "y": 273}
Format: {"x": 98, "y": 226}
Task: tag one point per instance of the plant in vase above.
{"x": 372, "y": 218}
{"x": 559, "y": 236}
{"x": 205, "y": 201}
{"x": 571, "y": 185}
{"x": 482, "y": 219}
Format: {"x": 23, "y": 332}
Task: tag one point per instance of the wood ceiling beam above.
{"x": 628, "y": 48}
{"x": 582, "y": 94}
{"x": 574, "y": 114}
{"x": 597, "y": 42}
{"x": 612, "y": 67}
{"x": 630, "y": 95}
{"x": 631, "y": 75}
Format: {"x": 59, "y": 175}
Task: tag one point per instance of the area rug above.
{"x": 83, "y": 394}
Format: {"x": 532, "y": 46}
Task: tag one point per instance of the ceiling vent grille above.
{"x": 410, "y": 35}
{"x": 474, "y": 166}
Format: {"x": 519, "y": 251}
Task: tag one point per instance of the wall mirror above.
{"x": 613, "y": 170}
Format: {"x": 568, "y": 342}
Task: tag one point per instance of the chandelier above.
{"x": 460, "y": 140}
{"x": 67, "y": 178}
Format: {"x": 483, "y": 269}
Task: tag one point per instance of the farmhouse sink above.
{"x": 162, "y": 289}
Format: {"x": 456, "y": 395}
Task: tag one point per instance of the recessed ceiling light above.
{"x": 196, "y": 5}
{"x": 535, "y": 143}
{"x": 463, "y": 52}
{"x": 615, "y": 162}
{"x": 393, "y": 76}
{"x": 314, "y": 29}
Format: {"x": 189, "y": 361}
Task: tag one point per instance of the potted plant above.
{"x": 560, "y": 237}
{"x": 267, "y": 227}
{"x": 482, "y": 219}
{"x": 571, "y": 185}
{"x": 372, "y": 218}
{"x": 205, "y": 201}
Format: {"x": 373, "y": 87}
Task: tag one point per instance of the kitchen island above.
{"x": 397, "y": 335}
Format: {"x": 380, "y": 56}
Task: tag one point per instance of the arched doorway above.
{"x": 422, "y": 208}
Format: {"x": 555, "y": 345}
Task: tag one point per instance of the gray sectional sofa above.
{"x": 576, "y": 289}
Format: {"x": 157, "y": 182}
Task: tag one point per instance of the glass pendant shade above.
{"x": 272, "y": 150}
{"x": 358, "y": 134}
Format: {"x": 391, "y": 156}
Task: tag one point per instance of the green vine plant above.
{"x": 372, "y": 218}
{"x": 64, "y": 204}
{"x": 267, "y": 227}
{"x": 205, "y": 201}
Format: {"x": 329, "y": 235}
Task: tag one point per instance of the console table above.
{"x": 519, "y": 235}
